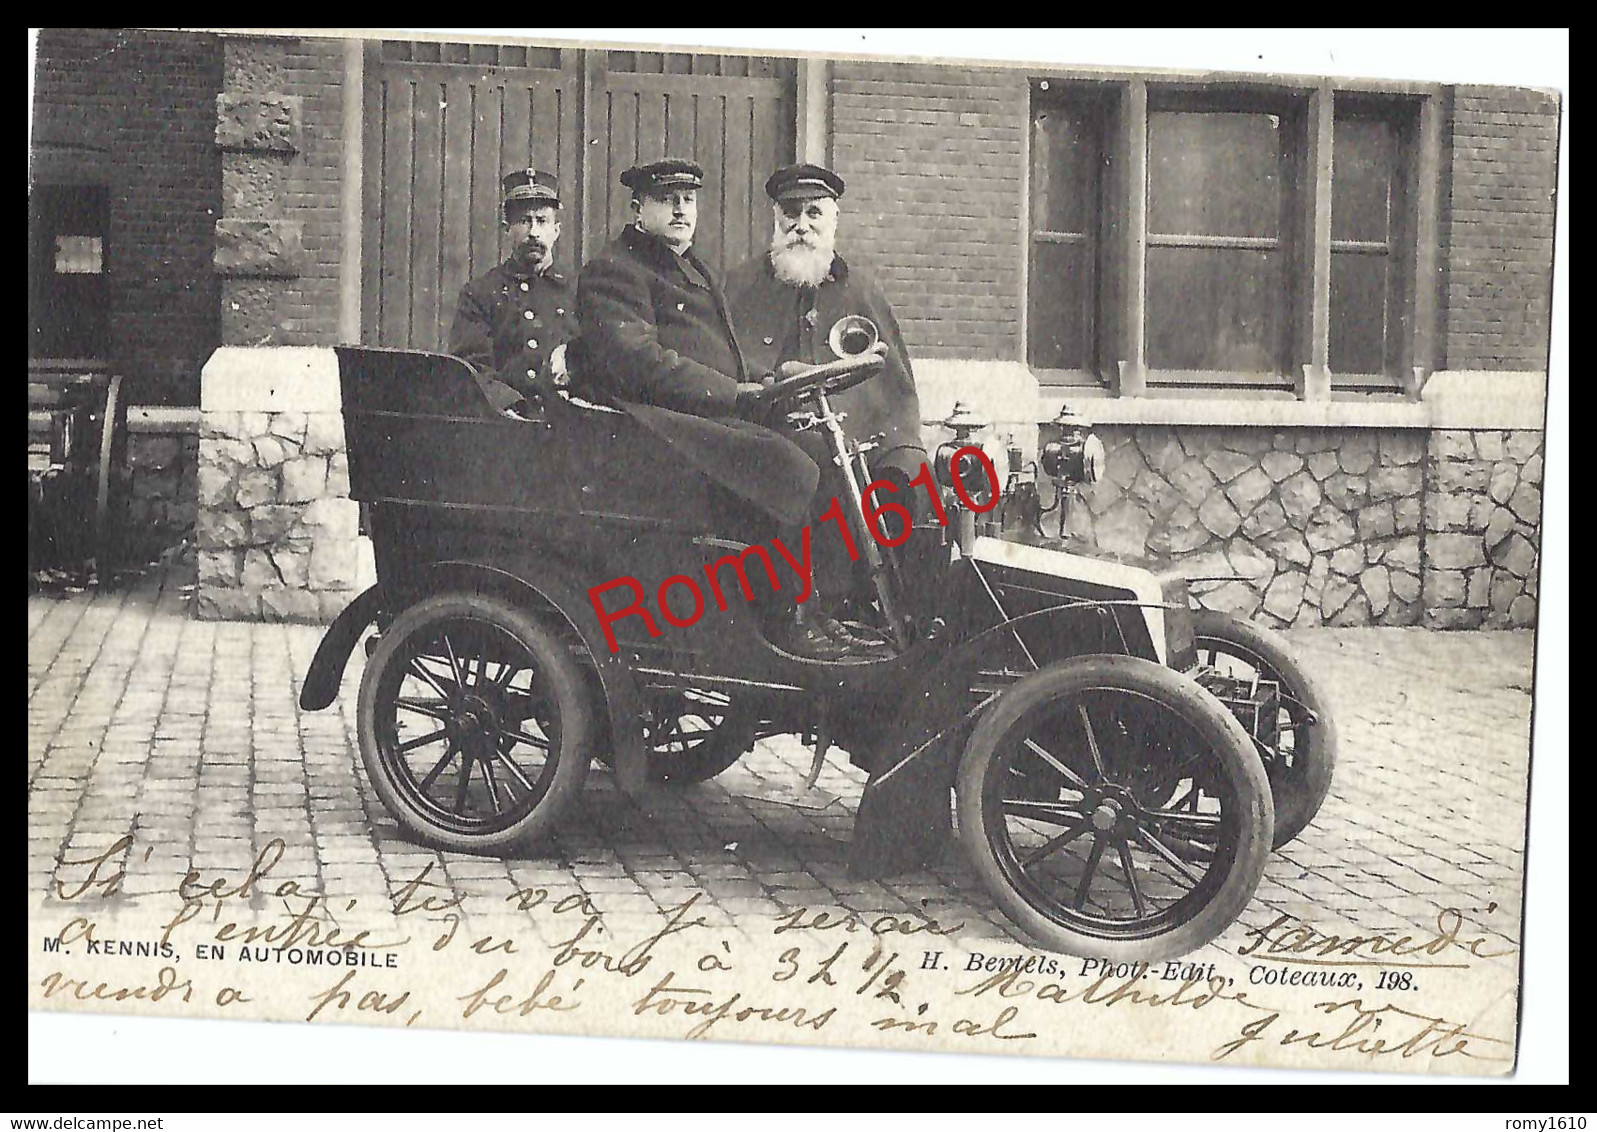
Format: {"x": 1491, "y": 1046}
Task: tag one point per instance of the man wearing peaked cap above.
{"x": 656, "y": 338}
{"x": 784, "y": 302}
{"x": 511, "y": 320}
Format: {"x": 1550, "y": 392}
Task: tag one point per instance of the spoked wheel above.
{"x": 1300, "y": 764}
{"x": 696, "y": 734}
{"x": 1114, "y": 808}
{"x": 474, "y": 723}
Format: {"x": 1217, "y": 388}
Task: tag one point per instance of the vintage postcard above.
{"x": 736, "y": 542}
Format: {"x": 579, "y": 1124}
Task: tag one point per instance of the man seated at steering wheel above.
{"x": 655, "y": 338}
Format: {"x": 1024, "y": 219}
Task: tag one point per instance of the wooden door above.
{"x": 734, "y": 115}
{"x": 444, "y": 123}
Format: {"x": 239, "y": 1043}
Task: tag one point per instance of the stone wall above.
{"x": 1316, "y": 526}
{"x": 1330, "y": 526}
{"x": 1482, "y": 528}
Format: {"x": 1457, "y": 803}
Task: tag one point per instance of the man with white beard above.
{"x": 783, "y": 304}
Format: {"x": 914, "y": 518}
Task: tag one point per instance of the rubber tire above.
{"x": 730, "y": 741}
{"x": 1298, "y": 798}
{"x": 556, "y": 669}
{"x": 1201, "y": 710}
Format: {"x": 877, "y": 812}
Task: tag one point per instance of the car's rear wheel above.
{"x": 474, "y": 723}
{"x": 1300, "y": 763}
{"x": 1114, "y": 808}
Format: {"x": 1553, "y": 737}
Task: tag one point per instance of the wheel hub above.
{"x": 1105, "y": 817}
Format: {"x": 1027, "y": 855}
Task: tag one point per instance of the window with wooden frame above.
{"x": 1265, "y": 236}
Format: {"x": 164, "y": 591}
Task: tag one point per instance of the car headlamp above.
{"x": 1077, "y": 455}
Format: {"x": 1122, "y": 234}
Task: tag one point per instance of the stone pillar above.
{"x": 1482, "y": 527}
{"x": 277, "y": 529}
{"x": 259, "y": 249}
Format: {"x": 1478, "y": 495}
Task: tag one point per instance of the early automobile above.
{"x": 1118, "y": 765}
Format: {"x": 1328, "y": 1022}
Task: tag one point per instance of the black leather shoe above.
{"x": 804, "y": 638}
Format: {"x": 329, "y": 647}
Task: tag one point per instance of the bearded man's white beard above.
{"x": 799, "y": 265}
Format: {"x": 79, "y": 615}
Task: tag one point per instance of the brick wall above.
{"x": 934, "y": 158}
{"x": 149, "y": 100}
{"x": 313, "y": 69}
{"x": 1500, "y": 235}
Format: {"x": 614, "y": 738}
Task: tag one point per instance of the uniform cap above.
{"x": 803, "y": 182}
{"x": 531, "y": 185}
{"x": 672, "y": 173}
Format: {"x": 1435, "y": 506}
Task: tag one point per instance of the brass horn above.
{"x": 852, "y": 335}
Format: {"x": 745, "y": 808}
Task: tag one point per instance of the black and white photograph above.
{"x": 975, "y": 546}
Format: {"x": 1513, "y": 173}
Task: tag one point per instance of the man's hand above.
{"x": 751, "y": 399}
{"x": 790, "y": 369}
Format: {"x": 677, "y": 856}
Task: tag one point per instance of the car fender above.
{"x": 326, "y": 672}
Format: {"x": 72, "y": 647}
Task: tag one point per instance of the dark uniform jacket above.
{"x": 509, "y": 320}
{"x": 656, "y": 339}
{"x": 778, "y": 322}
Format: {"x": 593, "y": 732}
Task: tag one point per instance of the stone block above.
{"x": 1285, "y": 595}
{"x": 1405, "y": 587}
{"x": 1516, "y": 555}
{"x": 1392, "y": 481}
{"x": 289, "y": 424}
{"x": 220, "y": 567}
{"x": 218, "y": 425}
{"x": 1232, "y": 597}
{"x": 332, "y": 564}
{"x": 1308, "y": 616}
{"x": 215, "y": 485}
{"x": 218, "y": 528}
{"x": 1454, "y": 551}
{"x": 272, "y": 522}
{"x": 1334, "y": 595}
{"x": 1504, "y": 589}
{"x": 258, "y": 572}
{"x": 332, "y": 603}
{"x": 214, "y": 603}
{"x": 1248, "y": 489}
{"x": 1124, "y": 529}
{"x": 304, "y": 479}
{"x": 1452, "y": 444}
{"x": 1376, "y": 582}
{"x": 1445, "y": 588}
{"x": 258, "y": 248}
{"x": 1356, "y": 453}
{"x": 1218, "y": 516}
{"x": 1322, "y": 464}
{"x": 292, "y": 562}
{"x": 1480, "y": 512}
{"x": 1287, "y": 546}
{"x": 1377, "y": 521}
{"x": 1279, "y": 465}
{"x": 1459, "y": 476}
{"x": 1404, "y": 446}
{"x": 1348, "y": 561}
{"x": 1329, "y": 529}
{"x": 1193, "y": 481}
{"x": 255, "y": 485}
{"x": 328, "y": 517}
{"x": 1532, "y": 471}
{"x": 1300, "y": 495}
{"x": 288, "y": 604}
{"x": 1498, "y": 527}
{"x": 324, "y": 434}
{"x": 1489, "y": 444}
{"x": 1313, "y": 440}
{"x": 1151, "y": 489}
{"x": 251, "y": 425}
{"x": 338, "y": 474}
{"x": 1521, "y": 444}
{"x": 1227, "y": 466}
{"x": 1159, "y": 449}
{"x": 1526, "y": 503}
{"x": 1179, "y": 534}
{"x": 1448, "y": 511}
{"x": 1101, "y": 496}
{"x": 266, "y": 122}
{"x": 1404, "y": 554}
{"x": 1254, "y": 441}
{"x": 1504, "y": 479}
{"x": 1406, "y": 512}
{"x": 1250, "y": 562}
{"x": 1522, "y": 614}
{"x": 1477, "y": 587}
{"x": 1266, "y": 519}
{"x": 1346, "y": 493}
{"x": 268, "y": 451}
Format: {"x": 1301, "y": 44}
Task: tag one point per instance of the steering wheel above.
{"x": 829, "y": 377}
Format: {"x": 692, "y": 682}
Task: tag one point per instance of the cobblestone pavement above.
{"x": 187, "y": 734}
